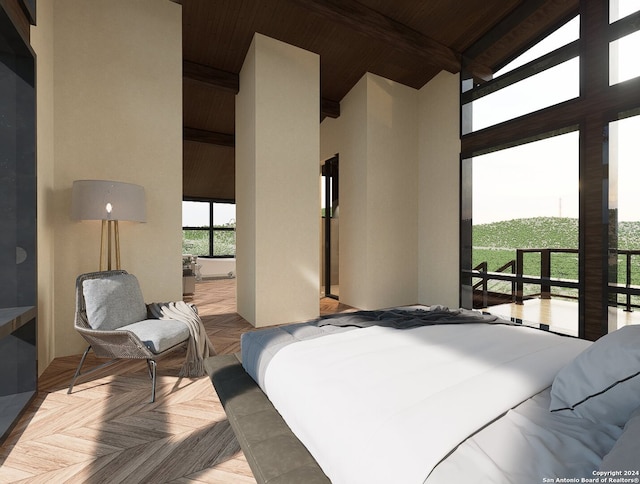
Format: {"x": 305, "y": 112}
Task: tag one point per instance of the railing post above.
{"x": 519, "y": 271}
{"x": 545, "y": 272}
{"x": 485, "y": 285}
{"x": 485, "y": 292}
{"x": 628, "y": 285}
{"x": 513, "y": 283}
{"x": 483, "y": 267}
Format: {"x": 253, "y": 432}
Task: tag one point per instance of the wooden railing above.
{"x": 545, "y": 281}
{"x": 628, "y": 289}
{"x": 484, "y": 283}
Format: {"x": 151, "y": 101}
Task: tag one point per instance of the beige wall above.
{"x": 110, "y": 107}
{"x": 376, "y": 136}
{"x": 277, "y": 190}
{"x": 399, "y": 193}
{"x": 439, "y": 193}
{"x": 42, "y": 42}
{"x": 347, "y": 135}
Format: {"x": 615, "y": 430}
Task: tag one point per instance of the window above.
{"x": 561, "y": 37}
{"x": 550, "y": 69}
{"x": 208, "y": 228}
{"x": 514, "y": 100}
{"x": 525, "y": 223}
{"x": 622, "y": 58}
{"x": 624, "y": 221}
{"x": 511, "y": 166}
{"x": 619, "y": 9}
{"x": 624, "y": 15}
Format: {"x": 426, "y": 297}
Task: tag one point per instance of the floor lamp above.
{"x": 110, "y": 202}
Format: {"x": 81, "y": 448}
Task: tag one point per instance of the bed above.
{"x": 430, "y": 395}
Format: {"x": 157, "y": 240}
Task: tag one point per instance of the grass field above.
{"x": 496, "y": 244}
{"x": 196, "y": 242}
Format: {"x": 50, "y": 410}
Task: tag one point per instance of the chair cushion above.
{"x": 113, "y": 301}
{"x": 159, "y": 334}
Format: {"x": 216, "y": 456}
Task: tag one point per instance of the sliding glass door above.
{"x": 524, "y": 232}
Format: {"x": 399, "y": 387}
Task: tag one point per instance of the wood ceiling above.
{"x": 408, "y": 41}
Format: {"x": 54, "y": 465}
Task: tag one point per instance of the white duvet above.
{"x": 381, "y": 405}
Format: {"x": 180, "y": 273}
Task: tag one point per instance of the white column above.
{"x": 439, "y": 194}
{"x": 376, "y": 136}
{"x": 277, "y": 184}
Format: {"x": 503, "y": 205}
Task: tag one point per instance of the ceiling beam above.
{"x": 373, "y": 24}
{"x": 329, "y": 109}
{"x": 210, "y": 137}
{"x": 210, "y": 75}
{"x": 230, "y": 82}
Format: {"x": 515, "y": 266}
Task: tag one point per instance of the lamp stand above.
{"x": 109, "y": 227}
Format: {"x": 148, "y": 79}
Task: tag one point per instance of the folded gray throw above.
{"x": 407, "y": 318}
{"x": 199, "y": 346}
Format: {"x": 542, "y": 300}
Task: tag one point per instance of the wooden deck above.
{"x": 107, "y": 432}
{"x": 561, "y": 315}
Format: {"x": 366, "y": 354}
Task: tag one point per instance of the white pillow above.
{"x": 602, "y": 383}
{"x": 113, "y": 301}
{"x": 626, "y": 452}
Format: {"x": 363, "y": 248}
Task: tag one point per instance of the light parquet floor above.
{"x": 107, "y": 432}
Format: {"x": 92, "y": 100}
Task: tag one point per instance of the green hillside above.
{"x": 496, "y": 243}
{"x": 528, "y": 233}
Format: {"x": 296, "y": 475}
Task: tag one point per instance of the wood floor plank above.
{"x": 107, "y": 431}
{"x": 196, "y": 452}
{"x": 216, "y": 476}
{"x": 81, "y": 445}
{"x": 9, "y": 474}
{"x": 81, "y": 472}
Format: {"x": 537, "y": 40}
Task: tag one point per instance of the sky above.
{"x": 196, "y": 214}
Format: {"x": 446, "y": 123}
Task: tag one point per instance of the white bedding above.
{"x": 527, "y": 445}
{"x": 381, "y": 405}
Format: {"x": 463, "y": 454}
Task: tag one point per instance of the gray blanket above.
{"x": 407, "y": 318}
{"x": 259, "y": 347}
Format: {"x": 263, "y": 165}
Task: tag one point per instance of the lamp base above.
{"x": 110, "y": 231}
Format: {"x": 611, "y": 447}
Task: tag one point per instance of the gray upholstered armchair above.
{"x": 112, "y": 316}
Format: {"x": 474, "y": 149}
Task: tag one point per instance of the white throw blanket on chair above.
{"x": 199, "y": 346}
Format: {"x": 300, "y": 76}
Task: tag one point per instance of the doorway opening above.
{"x": 330, "y": 229}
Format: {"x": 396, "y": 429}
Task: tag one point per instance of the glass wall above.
{"x": 508, "y": 94}
{"x": 515, "y": 100}
{"x": 561, "y": 37}
{"x": 573, "y": 178}
{"x": 619, "y": 9}
{"x": 624, "y": 222}
{"x": 525, "y": 206}
{"x": 623, "y": 54}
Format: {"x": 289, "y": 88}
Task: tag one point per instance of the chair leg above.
{"x": 152, "y": 365}
{"x": 73, "y": 381}
{"x": 149, "y": 369}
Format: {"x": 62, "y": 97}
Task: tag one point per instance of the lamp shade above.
{"x": 107, "y": 200}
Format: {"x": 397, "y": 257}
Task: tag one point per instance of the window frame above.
{"x": 211, "y": 229}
